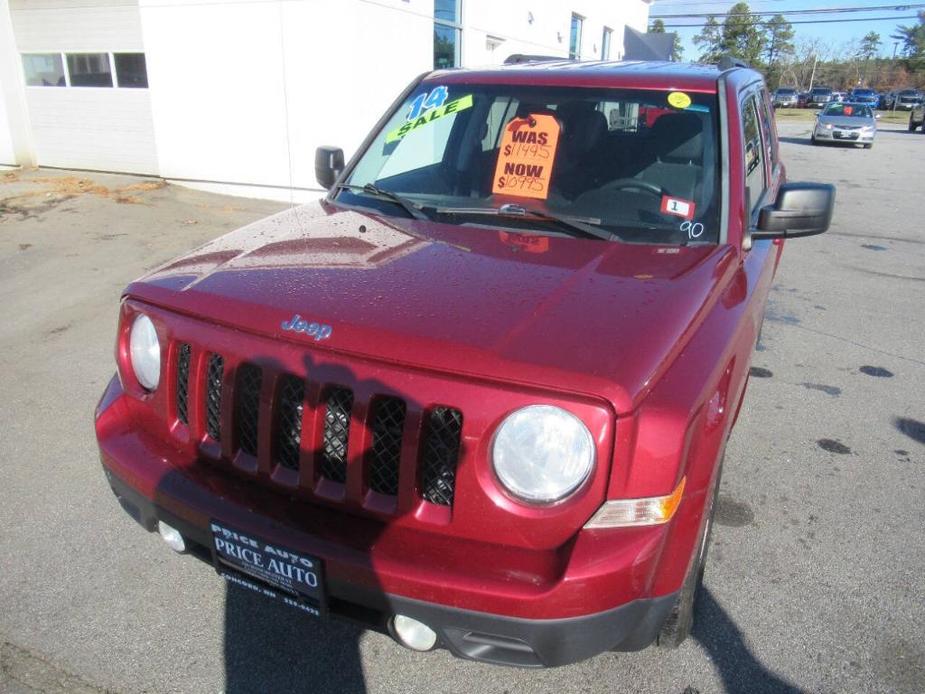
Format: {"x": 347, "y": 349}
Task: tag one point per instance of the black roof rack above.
{"x": 520, "y": 58}
{"x": 727, "y": 62}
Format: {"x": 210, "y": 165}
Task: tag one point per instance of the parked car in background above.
{"x": 477, "y": 397}
{"x": 785, "y": 97}
{"x": 839, "y": 96}
{"x": 846, "y": 123}
{"x": 802, "y": 99}
{"x": 917, "y": 117}
{"x": 820, "y": 96}
{"x": 863, "y": 95}
{"x": 903, "y": 99}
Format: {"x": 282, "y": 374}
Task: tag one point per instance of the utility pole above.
{"x": 812, "y": 75}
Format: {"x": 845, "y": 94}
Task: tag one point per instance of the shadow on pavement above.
{"x": 797, "y": 140}
{"x": 912, "y": 428}
{"x": 738, "y": 667}
{"x": 270, "y": 647}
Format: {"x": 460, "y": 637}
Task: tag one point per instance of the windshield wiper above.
{"x": 587, "y": 227}
{"x": 412, "y": 208}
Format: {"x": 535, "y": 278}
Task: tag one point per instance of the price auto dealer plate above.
{"x": 281, "y": 574}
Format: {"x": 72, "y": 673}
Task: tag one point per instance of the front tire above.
{"x": 680, "y": 620}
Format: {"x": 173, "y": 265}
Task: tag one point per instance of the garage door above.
{"x": 86, "y": 83}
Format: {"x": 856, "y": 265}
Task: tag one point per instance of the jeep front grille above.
{"x": 247, "y": 406}
{"x": 440, "y": 454}
{"x": 214, "y": 396}
{"x": 311, "y": 434}
{"x": 337, "y": 408}
{"x": 183, "y": 355}
{"x": 290, "y": 406}
{"x": 387, "y": 429}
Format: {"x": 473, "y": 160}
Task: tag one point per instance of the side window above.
{"x": 500, "y": 112}
{"x": 768, "y": 128}
{"x": 754, "y": 156}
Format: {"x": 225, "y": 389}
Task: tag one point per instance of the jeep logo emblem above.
{"x": 297, "y": 324}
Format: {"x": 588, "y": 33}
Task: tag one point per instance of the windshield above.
{"x": 822, "y": 91}
{"x": 849, "y": 110}
{"x": 787, "y": 92}
{"x": 639, "y": 164}
{"x": 863, "y": 92}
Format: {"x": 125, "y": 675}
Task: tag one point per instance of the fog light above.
{"x": 413, "y": 634}
{"x": 171, "y": 536}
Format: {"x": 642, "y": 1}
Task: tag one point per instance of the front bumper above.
{"x": 827, "y": 135}
{"x": 369, "y": 579}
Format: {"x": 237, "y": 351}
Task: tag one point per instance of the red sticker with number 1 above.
{"x": 679, "y": 207}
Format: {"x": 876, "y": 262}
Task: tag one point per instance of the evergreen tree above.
{"x": 709, "y": 41}
{"x": 742, "y": 36}
{"x": 913, "y": 40}
{"x": 778, "y": 43}
{"x": 870, "y": 45}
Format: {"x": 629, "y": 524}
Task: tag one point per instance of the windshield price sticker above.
{"x": 528, "y": 151}
{"x": 432, "y": 99}
{"x": 678, "y": 207}
{"x": 455, "y": 106}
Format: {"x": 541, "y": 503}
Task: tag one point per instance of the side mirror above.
{"x": 329, "y": 164}
{"x": 801, "y": 209}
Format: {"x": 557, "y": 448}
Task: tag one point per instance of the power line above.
{"x": 811, "y": 21}
{"x": 821, "y": 10}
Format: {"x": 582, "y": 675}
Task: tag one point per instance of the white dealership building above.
{"x": 235, "y": 95}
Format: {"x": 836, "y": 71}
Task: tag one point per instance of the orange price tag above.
{"x": 528, "y": 152}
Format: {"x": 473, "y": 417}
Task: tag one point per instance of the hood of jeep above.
{"x": 577, "y": 315}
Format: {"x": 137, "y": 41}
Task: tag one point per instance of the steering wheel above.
{"x": 635, "y": 184}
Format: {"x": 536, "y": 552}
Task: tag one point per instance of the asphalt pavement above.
{"x": 816, "y": 580}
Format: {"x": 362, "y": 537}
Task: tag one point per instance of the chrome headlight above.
{"x": 542, "y": 454}
{"x": 145, "y": 352}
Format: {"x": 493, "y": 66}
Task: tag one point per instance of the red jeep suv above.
{"x": 477, "y": 396}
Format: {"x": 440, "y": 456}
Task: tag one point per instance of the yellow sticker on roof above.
{"x": 455, "y": 106}
{"x": 679, "y": 100}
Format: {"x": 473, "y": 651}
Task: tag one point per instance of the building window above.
{"x": 605, "y": 43}
{"x": 131, "y": 70}
{"x": 447, "y": 33}
{"x": 574, "y": 41}
{"x": 89, "y": 69}
{"x": 44, "y": 70}
{"x": 85, "y": 70}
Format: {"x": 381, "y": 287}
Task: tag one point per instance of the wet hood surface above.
{"x": 578, "y": 315}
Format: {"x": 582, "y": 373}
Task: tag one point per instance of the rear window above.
{"x": 641, "y": 164}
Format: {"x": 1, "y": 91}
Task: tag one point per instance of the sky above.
{"x": 835, "y": 34}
